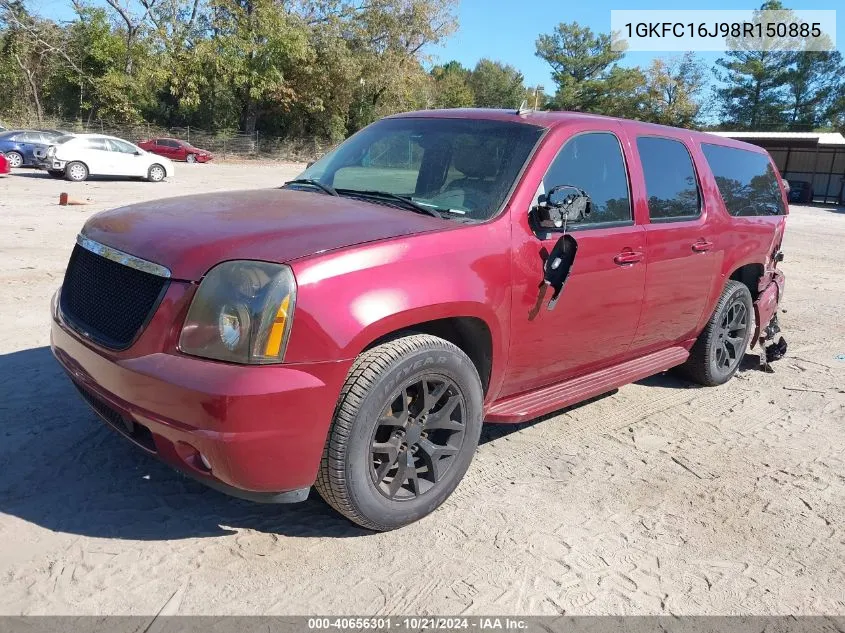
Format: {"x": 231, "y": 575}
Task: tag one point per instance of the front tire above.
{"x": 404, "y": 432}
{"x": 719, "y": 349}
{"x": 76, "y": 171}
{"x": 191, "y": 158}
{"x": 156, "y": 173}
{"x": 54, "y": 173}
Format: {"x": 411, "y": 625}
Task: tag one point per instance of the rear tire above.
{"x": 404, "y": 432}
{"x": 15, "y": 159}
{"x": 719, "y": 349}
{"x": 76, "y": 171}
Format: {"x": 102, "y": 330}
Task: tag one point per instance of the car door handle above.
{"x": 702, "y": 246}
{"x": 628, "y": 257}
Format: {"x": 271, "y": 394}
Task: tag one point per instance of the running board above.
{"x": 527, "y": 406}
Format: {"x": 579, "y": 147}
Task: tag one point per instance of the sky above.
{"x": 506, "y": 30}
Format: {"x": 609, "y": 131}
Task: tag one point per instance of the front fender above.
{"x": 350, "y": 298}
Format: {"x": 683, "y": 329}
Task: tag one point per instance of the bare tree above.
{"x": 133, "y": 24}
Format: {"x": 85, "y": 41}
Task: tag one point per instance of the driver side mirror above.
{"x": 562, "y": 205}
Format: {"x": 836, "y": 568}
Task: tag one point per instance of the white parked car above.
{"x": 77, "y": 156}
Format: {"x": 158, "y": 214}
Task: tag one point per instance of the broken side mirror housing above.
{"x": 562, "y": 205}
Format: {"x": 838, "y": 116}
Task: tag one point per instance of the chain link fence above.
{"x": 225, "y": 144}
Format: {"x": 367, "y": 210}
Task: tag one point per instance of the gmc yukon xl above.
{"x": 351, "y": 329}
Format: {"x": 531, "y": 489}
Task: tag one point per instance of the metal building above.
{"x": 812, "y": 162}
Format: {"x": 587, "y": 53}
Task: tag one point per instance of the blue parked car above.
{"x": 19, "y": 145}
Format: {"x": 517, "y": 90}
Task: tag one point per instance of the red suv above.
{"x": 351, "y": 329}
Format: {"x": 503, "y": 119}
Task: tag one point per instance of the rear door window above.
{"x": 670, "y": 180}
{"x": 121, "y": 146}
{"x": 746, "y": 180}
{"x": 98, "y": 144}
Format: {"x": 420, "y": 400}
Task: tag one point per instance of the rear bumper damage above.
{"x": 766, "y": 321}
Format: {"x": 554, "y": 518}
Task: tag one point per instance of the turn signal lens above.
{"x": 277, "y": 330}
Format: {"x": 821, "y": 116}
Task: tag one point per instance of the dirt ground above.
{"x": 659, "y": 498}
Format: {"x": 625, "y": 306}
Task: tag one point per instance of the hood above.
{"x": 191, "y": 234}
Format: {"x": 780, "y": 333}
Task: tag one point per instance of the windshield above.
{"x": 463, "y": 166}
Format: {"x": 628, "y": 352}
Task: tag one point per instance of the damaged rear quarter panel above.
{"x": 766, "y": 305}
{"x": 744, "y": 240}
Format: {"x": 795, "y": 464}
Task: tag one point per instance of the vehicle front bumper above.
{"x": 260, "y": 429}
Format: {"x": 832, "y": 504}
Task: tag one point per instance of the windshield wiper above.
{"x": 386, "y": 195}
{"x": 314, "y": 183}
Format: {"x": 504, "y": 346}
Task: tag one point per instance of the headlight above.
{"x": 242, "y": 313}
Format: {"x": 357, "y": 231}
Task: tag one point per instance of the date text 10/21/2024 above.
{"x": 412, "y": 623}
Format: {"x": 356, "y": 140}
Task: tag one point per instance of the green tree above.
{"x": 621, "y": 93}
{"x": 587, "y": 75}
{"x": 257, "y": 41}
{"x": 753, "y": 94}
{"x": 30, "y": 58}
{"x": 580, "y": 62}
{"x": 496, "y": 85}
{"x": 389, "y": 38}
{"x": 814, "y": 81}
{"x": 96, "y": 84}
{"x": 673, "y": 91}
{"x": 450, "y": 86}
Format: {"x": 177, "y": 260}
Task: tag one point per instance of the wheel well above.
{"x": 469, "y": 333}
{"x": 749, "y": 275}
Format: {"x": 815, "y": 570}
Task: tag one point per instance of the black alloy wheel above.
{"x": 718, "y": 351}
{"x": 731, "y": 336}
{"x": 404, "y": 431}
{"x": 417, "y": 438}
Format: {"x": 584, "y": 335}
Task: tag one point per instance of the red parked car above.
{"x": 352, "y": 329}
{"x": 4, "y": 165}
{"x": 175, "y": 149}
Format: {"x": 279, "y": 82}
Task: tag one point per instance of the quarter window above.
{"x": 670, "y": 180}
{"x": 121, "y": 146}
{"x": 746, "y": 180}
{"x": 593, "y": 162}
